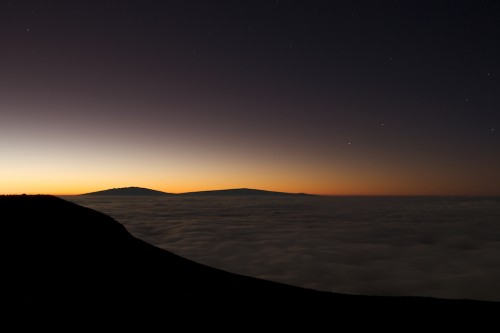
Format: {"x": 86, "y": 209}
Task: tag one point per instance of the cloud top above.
{"x": 439, "y": 247}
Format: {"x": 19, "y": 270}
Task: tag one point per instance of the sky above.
{"x": 326, "y": 97}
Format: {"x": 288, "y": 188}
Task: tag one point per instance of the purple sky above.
{"x": 332, "y": 97}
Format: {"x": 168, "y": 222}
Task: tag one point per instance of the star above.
{"x": 28, "y": 29}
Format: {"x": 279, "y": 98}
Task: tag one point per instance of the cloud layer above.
{"x": 440, "y": 247}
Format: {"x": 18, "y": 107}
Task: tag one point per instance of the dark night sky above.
{"x": 332, "y": 97}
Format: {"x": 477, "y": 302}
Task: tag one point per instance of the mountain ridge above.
{"x": 129, "y": 191}
{"x": 240, "y": 191}
{"x": 141, "y": 191}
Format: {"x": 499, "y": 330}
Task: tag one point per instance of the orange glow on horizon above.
{"x": 55, "y": 172}
{"x": 63, "y": 190}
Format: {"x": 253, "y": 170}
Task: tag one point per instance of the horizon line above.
{"x": 266, "y": 190}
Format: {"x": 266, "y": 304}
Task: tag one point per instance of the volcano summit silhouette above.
{"x": 132, "y": 191}
{"x": 141, "y": 191}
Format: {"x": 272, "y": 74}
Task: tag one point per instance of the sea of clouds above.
{"x": 419, "y": 246}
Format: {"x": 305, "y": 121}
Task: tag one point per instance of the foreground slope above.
{"x": 63, "y": 256}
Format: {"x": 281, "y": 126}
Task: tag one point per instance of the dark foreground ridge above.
{"x": 64, "y": 257}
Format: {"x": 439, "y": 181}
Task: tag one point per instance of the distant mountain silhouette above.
{"x": 241, "y": 192}
{"x": 140, "y": 191}
{"x": 62, "y": 258}
{"x": 132, "y": 191}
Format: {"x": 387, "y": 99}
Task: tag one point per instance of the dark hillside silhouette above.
{"x": 63, "y": 257}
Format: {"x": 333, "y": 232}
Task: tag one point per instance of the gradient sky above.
{"x": 327, "y": 97}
